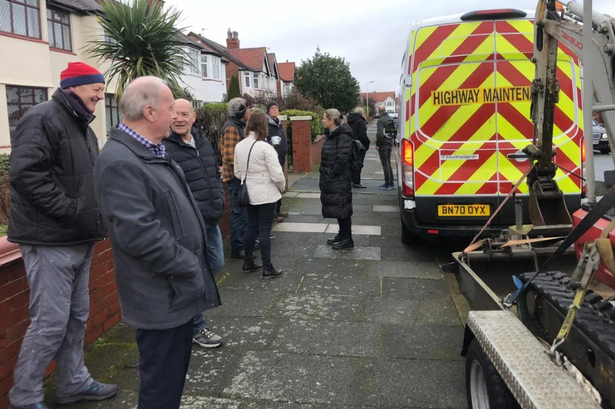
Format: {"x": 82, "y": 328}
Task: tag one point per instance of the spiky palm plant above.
{"x": 140, "y": 39}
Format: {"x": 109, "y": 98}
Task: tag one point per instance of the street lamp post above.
{"x": 367, "y": 98}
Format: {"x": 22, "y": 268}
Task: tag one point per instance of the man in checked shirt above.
{"x": 232, "y": 134}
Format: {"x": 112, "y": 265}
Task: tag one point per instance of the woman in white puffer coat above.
{"x": 265, "y": 181}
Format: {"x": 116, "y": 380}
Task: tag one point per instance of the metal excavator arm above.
{"x": 595, "y": 48}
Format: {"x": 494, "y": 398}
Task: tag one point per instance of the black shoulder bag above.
{"x": 243, "y": 199}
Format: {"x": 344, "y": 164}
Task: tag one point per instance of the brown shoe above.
{"x": 283, "y": 214}
{"x": 279, "y": 219}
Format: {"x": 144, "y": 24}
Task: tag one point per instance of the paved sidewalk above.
{"x": 375, "y": 326}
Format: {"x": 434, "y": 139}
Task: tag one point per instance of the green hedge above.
{"x": 210, "y": 118}
{"x": 316, "y": 125}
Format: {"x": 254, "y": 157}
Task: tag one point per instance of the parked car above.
{"x": 393, "y": 115}
{"x": 601, "y": 141}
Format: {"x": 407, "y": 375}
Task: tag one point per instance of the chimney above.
{"x": 232, "y": 40}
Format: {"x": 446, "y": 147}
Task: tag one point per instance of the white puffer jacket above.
{"x": 265, "y": 178}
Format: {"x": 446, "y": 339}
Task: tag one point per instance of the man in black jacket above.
{"x": 193, "y": 152}
{"x": 158, "y": 240}
{"x": 277, "y": 137}
{"x": 56, "y": 221}
{"x": 384, "y": 144}
{"x": 357, "y": 122}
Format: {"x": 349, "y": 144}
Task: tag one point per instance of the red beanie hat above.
{"x": 79, "y": 73}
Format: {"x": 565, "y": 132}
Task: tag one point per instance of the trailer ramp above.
{"x": 522, "y": 361}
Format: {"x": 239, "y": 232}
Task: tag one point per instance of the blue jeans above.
{"x": 215, "y": 253}
{"x": 239, "y": 218}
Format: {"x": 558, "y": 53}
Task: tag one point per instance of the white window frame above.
{"x": 204, "y": 68}
{"x": 248, "y": 80}
{"x": 255, "y": 80}
{"x": 193, "y": 61}
{"x": 217, "y": 71}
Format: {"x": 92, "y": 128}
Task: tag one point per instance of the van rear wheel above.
{"x": 407, "y": 237}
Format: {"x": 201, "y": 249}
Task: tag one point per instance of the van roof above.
{"x": 456, "y": 18}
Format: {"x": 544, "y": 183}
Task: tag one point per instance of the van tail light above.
{"x": 407, "y": 170}
{"x": 583, "y": 150}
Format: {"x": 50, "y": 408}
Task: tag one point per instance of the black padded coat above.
{"x": 335, "y": 173}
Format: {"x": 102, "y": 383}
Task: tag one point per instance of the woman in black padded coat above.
{"x": 336, "y": 177}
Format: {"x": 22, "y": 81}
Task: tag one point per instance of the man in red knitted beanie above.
{"x": 56, "y": 221}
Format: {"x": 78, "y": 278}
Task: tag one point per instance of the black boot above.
{"x": 343, "y": 244}
{"x": 334, "y": 239}
{"x": 271, "y": 272}
{"x": 249, "y": 265}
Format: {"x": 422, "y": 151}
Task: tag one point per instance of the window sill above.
{"x": 20, "y": 37}
{"x": 59, "y": 50}
{"x": 211, "y": 80}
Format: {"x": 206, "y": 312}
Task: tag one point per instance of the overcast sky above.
{"x": 370, "y": 37}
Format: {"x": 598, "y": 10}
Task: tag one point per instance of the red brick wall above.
{"x": 302, "y": 144}
{"x": 14, "y": 296}
{"x": 306, "y": 154}
{"x": 232, "y": 69}
{"x": 225, "y": 221}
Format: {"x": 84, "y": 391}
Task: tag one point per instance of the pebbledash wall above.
{"x": 104, "y": 302}
{"x": 14, "y": 300}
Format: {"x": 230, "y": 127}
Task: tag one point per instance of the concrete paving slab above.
{"x": 296, "y": 378}
{"x": 414, "y": 288}
{"x": 425, "y": 342}
{"x": 309, "y": 195}
{"x": 356, "y": 229}
{"x": 314, "y": 306}
{"x": 437, "y": 312}
{"x": 415, "y": 383}
{"x": 314, "y": 338}
{"x": 243, "y": 303}
{"x": 315, "y": 218}
{"x": 320, "y": 238}
{"x": 384, "y": 208}
{"x": 290, "y": 194}
{"x": 300, "y": 227}
{"x": 238, "y": 280}
{"x": 211, "y": 370}
{"x": 408, "y": 254}
{"x": 326, "y": 266}
{"x": 243, "y": 333}
{"x": 392, "y": 311}
{"x": 356, "y": 253}
{"x": 386, "y": 268}
{"x": 341, "y": 282}
{"x": 203, "y": 402}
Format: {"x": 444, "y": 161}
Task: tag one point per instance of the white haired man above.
{"x": 158, "y": 240}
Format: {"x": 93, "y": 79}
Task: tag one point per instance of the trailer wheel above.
{"x": 407, "y": 237}
{"x": 485, "y": 388}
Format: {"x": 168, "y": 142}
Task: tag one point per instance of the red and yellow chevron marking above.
{"x": 462, "y": 148}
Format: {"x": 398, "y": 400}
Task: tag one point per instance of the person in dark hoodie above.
{"x": 277, "y": 137}
{"x": 56, "y": 221}
{"x": 358, "y": 123}
{"x": 336, "y": 177}
{"x": 193, "y": 152}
